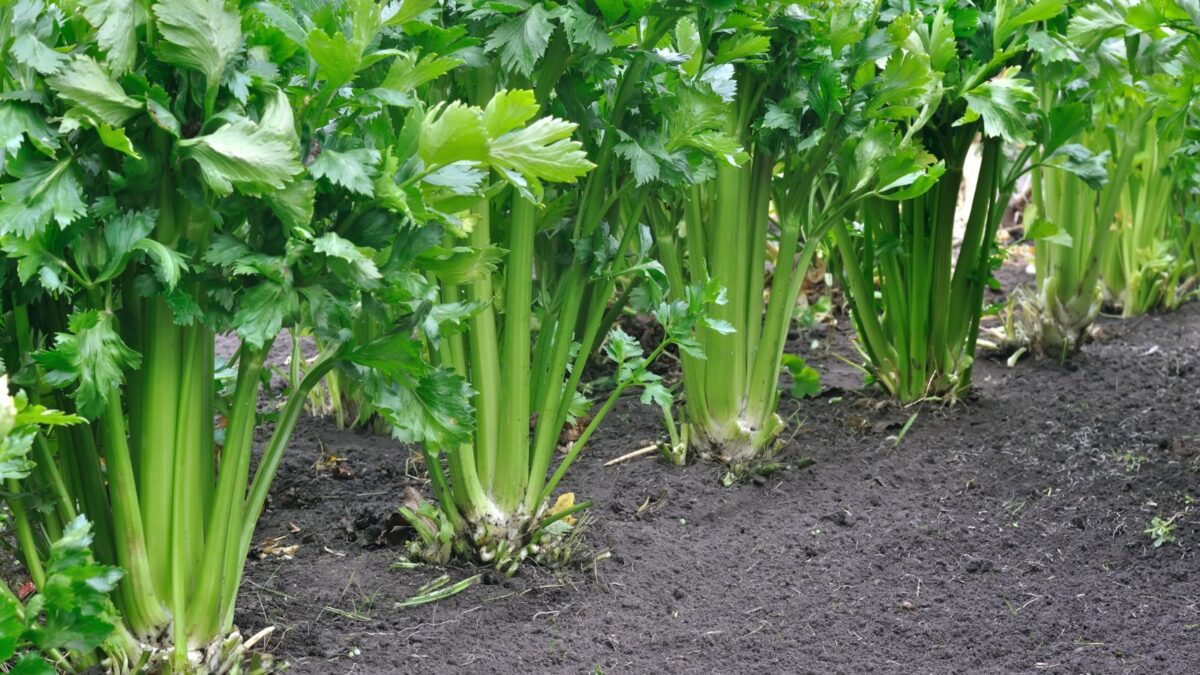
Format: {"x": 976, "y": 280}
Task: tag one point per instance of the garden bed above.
{"x": 1001, "y": 535}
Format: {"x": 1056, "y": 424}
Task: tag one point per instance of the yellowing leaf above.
{"x": 565, "y": 502}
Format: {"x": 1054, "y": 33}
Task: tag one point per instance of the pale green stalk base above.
{"x": 742, "y": 443}
{"x": 1046, "y": 326}
{"x": 222, "y": 656}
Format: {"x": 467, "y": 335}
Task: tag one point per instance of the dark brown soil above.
{"x": 1001, "y": 535}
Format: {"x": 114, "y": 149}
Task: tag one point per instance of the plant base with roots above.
{"x": 552, "y": 536}
{"x": 744, "y": 444}
{"x": 228, "y": 655}
{"x": 1046, "y": 326}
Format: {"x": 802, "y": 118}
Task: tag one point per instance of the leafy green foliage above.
{"x": 200, "y": 35}
{"x": 244, "y": 154}
{"x": 806, "y": 380}
{"x": 92, "y": 356}
{"x": 1002, "y": 104}
{"x": 71, "y": 612}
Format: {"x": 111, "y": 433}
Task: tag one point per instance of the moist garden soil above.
{"x": 1001, "y": 534}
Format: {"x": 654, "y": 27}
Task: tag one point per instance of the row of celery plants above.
{"x": 457, "y": 201}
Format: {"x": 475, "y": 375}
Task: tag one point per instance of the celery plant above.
{"x": 172, "y": 170}
{"x": 1149, "y": 262}
{"x": 916, "y": 301}
{"x": 553, "y": 253}
{"x": 809, "y": 114}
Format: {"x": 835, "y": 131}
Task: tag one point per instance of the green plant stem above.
{"x": 512, "y": 470}
{"x": 24, "y": 532}
{"x": 224, "y": 519}
{"x": 485, "y": 359}
{"x": 549, "y": 424}
{"x": 144, "y": 612}
{"x": 192, "y": 471}
{"x": 581, "y": 442}
{"x": 162, "y": 374}
{"x": 1110, "y": 198}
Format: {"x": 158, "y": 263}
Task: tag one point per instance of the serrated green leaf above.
{"x": 203, "y": 35}
{"x": 655, "y": 392}
{"x": 169, "y": 265}
{"x": 1093, "y": 23}
{"x": 461, "y": 264}
{"x": 294, "y": 204}
{"x": 14, "y": 454}
{"x": 543, "y": 150}
{"x": 585, "y": 30}
{"x": 806, "y": 380}
{"x": 436, "y": 411}
{"x": 338, "y": 59}
{"x": 352, "y": 169}
{"x": 357, "y": 266}
{"x": 777, "y": 118}
{"x": 282, "y": 20}
{"x": 245, "y": 156}
{"x": 123, "y": 230}
{"x": 92, "y": 355}
{"x": 261, "y": 313}
{"x": 47, "y": 417}
{"x": 18, "y": 120}
{"x": 407, "y": 73}
{"x": 277, "y": 117}
{"x": 612, "y": 10}
{"x": 904, "y": 83}
{"x": 116, "y": 23}
{"x": 1082, "y": 163}
{"x": 11, "y": 624}
{"x": 453, "y": 132}
{"x": 84, "y": 83}
{"x": 117, "y": 140}
{"x": 1040, "y": 10}
{"x": 421, "y": 403}
{"x": 31, "y": 664}
{"x": 43, "y": 191}
{"x": 508, "y": 110}
{"x": 163, "y": 118}
{"x": 522, "y": 40}
{"x": 1003, "y": 103}
{"x": 73, "y": 609}
{"x": 644, "y": 164}
{"x": 461, "y": 178}
{"x": 405, "y": 10}
{"x": 1044, "y": 230}
{"x": 741, "y": 47}
{"x": 28, "y": 50}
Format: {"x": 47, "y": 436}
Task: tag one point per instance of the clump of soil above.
{"x": 1004, "y": 534}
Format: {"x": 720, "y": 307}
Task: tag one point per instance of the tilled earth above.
{"x": 1003, "y": 534}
